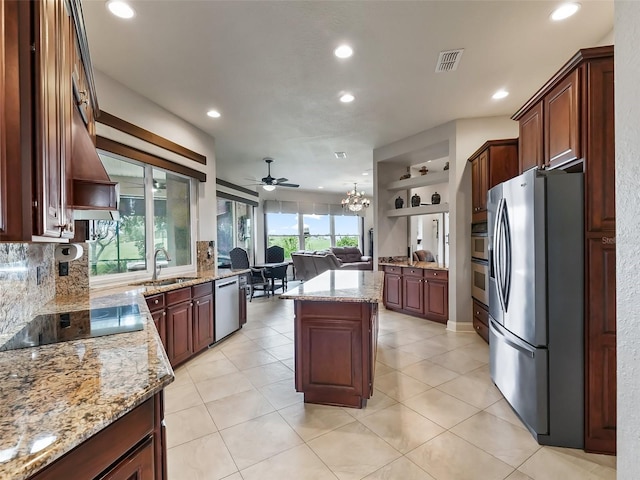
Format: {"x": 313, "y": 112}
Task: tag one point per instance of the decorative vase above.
{"x": 415, "y": 200}
{"x": 435, "y": 198}
{"x": 399, "y": 202}
{"x": 423, "y": 170}
{"x": 446, "y": 166}
{"x": 406, "y": 175}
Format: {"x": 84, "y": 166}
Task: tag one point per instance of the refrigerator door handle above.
{"x": 497, "y": 253}
{"x": 506, "y": 231}
{"x": 498, "y": 332}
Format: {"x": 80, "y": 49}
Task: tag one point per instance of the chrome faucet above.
{"x": 156, "y": 268}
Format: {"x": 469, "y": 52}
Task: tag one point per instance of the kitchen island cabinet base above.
{"x": 335, "y": 351}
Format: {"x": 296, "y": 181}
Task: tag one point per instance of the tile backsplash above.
{"x": 77, "y": 282}
{"x": 27, "y": 281}
{"x": 206, "y": 253}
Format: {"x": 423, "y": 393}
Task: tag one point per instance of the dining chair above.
{"x": 275, "y": 254}
{"x": 256, "y": 279}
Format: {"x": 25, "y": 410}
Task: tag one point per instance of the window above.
{"x": 317, "y": 232}
{"x": 314, "y": 232}
{"x": 282, "y": 230}
{"x": 155, "y": 211}
{"x": 347, "y": 231}
{"x": 235, "y": 229}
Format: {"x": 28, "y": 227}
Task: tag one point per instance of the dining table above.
{"x": 269, "y": 268}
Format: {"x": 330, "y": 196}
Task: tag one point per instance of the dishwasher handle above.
{"x": 228, "y": 284}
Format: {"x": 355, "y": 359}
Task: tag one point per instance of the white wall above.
{"x": 118, "y": 100}
{"x": 627, "y": 107}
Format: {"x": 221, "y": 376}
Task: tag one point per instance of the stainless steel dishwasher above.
{"x": 227, "y": 307}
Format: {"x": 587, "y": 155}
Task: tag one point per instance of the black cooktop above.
{"x": 63, "y": 327}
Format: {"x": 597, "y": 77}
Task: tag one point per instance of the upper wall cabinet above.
{"x": 555, "y": 122}
{"x": 493, "y": 163}
{"x": 9, "y": 112}
{"x": 45, "y": 83}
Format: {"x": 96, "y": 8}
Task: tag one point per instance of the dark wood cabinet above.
{"x": 158, "y": 313}
{"x": 179, "y": 332}
{"x": 412, "y": 291}
{"x": 52, "y": 118}
{"x": 242, "y": 298}
{"x": 393, "y": 287}
{"x": 579, "y": 126}
{"x": 40, "y": 47}
{"x": 436, "y": 294}
{"x": 561, "y": 122}
{"x": 202, "y": 322}
{"x": 184, "y": 318}
{"x": 138, "y": 465}
{"x": 417, "y": 291}
{"x": 12, "y": 199}
{"x": 600, "y": 426}
{"x": 131, "y": 448}
{"x": 493, "y": 163}
{"x": 334, "y": 358}
{"x": 481, "y": 320}
{"x": 531, "y": 140}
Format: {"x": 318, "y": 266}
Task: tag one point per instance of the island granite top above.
{"x": 340, "y": 286}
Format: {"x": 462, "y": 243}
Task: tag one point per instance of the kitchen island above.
{"x": 336, "y": 334}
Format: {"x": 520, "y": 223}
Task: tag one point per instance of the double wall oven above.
{"x": 480, "y": 263}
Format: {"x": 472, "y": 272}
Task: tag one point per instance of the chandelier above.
{"x": 355, "y": 200}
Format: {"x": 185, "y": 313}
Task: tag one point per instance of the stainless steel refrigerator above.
{"x": 536, "y": 304}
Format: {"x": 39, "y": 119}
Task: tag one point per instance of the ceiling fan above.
{"x": 269, "y": 183}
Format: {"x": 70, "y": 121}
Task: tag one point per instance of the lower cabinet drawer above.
{"x": 177, "y": 296}
{"x": 481, "y": 329}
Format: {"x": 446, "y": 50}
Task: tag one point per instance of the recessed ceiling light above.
{"x": 500, "y": 94}
{"x": 565, "y": 11}
{"x": 340, "y": 155}
{"x": 343, "y": 51}
{"x": 120, "y": 9}
{"x": 321, "y": 187}
{"x": 213, "y": 113}
{"x": 347, "y": 98}
{"x": 365, "y": 173}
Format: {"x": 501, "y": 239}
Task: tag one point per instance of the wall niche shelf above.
{"x": 421, "y": 210}
{"x": 421, "y": 181}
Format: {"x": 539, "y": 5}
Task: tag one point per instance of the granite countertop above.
{"x": 340, "y": 286}
{"x": 423, "y": 265}
{"x": 54, "y": 397}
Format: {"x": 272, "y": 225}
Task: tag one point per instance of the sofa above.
{"x": 351, "y": 258}
{"x": 308, "y": 264}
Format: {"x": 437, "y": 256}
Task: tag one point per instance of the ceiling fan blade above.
{"x": 293, "y": 185}
{"x": 282, "y": 179}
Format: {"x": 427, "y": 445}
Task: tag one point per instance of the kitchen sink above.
{"x": 163, "y": 282}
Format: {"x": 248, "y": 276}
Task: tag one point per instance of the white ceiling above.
{"x": 268, "y": 67}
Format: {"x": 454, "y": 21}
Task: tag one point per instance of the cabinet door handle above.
{"x": 197, "y": 302}
{"x": 157, "y": 301}
{"x": 477, "y": 313}
{"x": 164, "y": 314}
{"x": 434, "y": 274}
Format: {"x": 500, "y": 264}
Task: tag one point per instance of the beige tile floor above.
{"x": 233, "y": 413}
